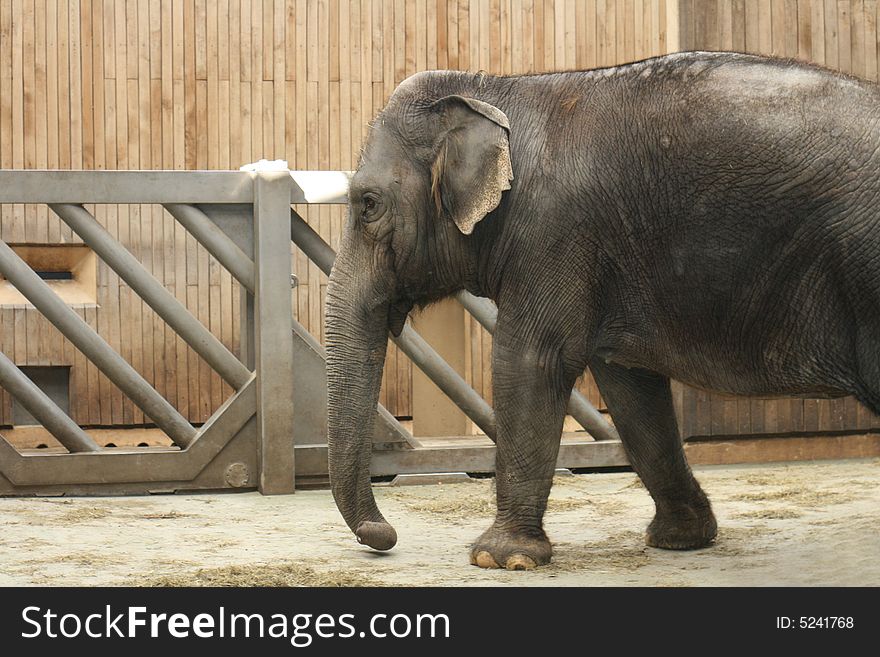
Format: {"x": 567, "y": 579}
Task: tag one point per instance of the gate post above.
{"x": 273, "y": 326}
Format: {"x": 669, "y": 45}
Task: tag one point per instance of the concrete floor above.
{"x": 812, "y": 523}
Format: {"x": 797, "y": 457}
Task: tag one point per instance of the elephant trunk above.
{"x": 356, "y": 339}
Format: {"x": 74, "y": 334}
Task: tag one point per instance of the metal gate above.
{"x": 272, "y": 430}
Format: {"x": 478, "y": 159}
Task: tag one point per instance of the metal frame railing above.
{"x": 261, "y": 392}
{"x": 244, "y": 220}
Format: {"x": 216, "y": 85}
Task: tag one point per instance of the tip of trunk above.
{"x": 377, "y": 535}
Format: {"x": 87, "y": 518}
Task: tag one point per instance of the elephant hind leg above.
{"x": 640, "y": 402}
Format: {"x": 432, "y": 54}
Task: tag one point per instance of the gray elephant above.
{"x": 710, "y": 217}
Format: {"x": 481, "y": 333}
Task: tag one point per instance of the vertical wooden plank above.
{"x": 817, "y": 31}
{"x": 831, "y": 28}
{"x": 16, "y": 233}
{"x": 706, "y": 25}
{"x": 725, "y": 25}
{"x": 857, "y": 37}
{"x": 771, "y": 415}
{"x": 54, "y": 231}
{"x": 559, "y": 34}
{"x": 40, "y": 226}
{"x": 625, "y": 32}
{"x": 738, "y": 25}
{"x": 435, "y": 21}
{"x": 6, "y": 131}
{"x": 804, "y": 32}
{"x": 777, "y": 27}
{"x": 752, "y": 41}
{"x": 88, "y": 144}
{"x": 650, "y": 27}
{"x": 75, "y": 77}
{"x": 609, "y": 37}
{"x": 538, "y": 36}
{"x": 684, "y": 23}
{"x": 590, "y": 35}
{"x": 131, "y": 38}
{"x": 666, "y": 18}
{"x": 790, "y": 18}
{"x": 289, "y": 53}
{"x": 29, "y": 118}
{"x": 463, "y": 42}
{"x": 409, "y": 38}
{"x": 844, "y": 36}
{"x": 223, "y": 45}
{"x": 765, "y": 29}
{"x": 871, "y": 69}
{"x": 479, "y": 58}
{"x": 638, "y": 30}
{"x": 549, "y": 29}
{"x": 212, "y": 69}
{"x": 447, "y": 34}
{"x": 98, "y": 55}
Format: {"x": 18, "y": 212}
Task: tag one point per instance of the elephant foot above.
{"x": 513, "y": 550}
{"x": 683, "y": 527}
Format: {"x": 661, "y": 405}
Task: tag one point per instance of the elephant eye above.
{"x": 370, "y": 204}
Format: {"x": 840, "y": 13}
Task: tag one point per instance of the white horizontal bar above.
{"x": 54, "y": 186}
{"x": 320, "y": 186}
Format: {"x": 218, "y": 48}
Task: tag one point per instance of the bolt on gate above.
{"x": 271, "y": 433}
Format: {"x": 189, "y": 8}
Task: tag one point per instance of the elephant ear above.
{"x": 471, "y": 167}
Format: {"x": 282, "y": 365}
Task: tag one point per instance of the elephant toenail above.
{"x": 485, "y": 560}
{"x": 520, "y": 562}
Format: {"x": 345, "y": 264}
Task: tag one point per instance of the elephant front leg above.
{"x": 530, "y": 401}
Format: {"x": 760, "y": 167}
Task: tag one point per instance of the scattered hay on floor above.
{"x": 164, "y": 515}
{"x": 738, "y": 541}
{"x": 455, "y": 508}
{"x": 770, "y": 514}
{"x": 759, "y": 480}
{"x": 568, "y": 503}
{"x": 623, "y": 551}
{"x": 82, "y": 514}
{"x": 799, "y": 496}
{"x": 261, "y": 574}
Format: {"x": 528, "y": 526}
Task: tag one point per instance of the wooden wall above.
{"x": 840, "y": 34}
{"x": 213, "y": 84}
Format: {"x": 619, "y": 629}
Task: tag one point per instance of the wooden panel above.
{"x": 155, "y": 84}
{"x": 188, "y": 84}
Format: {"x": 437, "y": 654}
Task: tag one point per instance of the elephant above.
{"x": 712, "y": 218}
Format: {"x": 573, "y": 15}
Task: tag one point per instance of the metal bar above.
{"x": 447, "y": 379}
{"x": 41, "y": 186}
{"x": 310, "y": 243}
{"x": 95, "y": 348}
{"x": 272, "y": 331}
{"x": 156, "y": 464}
{"x": 579, "y": 407}
{"x": 410, "y": 342}
{"x": 175, "y": 314}
{"x": 311, "y": 460}
{"x": 320, "y": 186}
{"x": 44, "y": 409}
{"x": 218, "y": 244}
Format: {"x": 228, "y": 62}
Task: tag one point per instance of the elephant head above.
{"x": 434, "y": 165}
